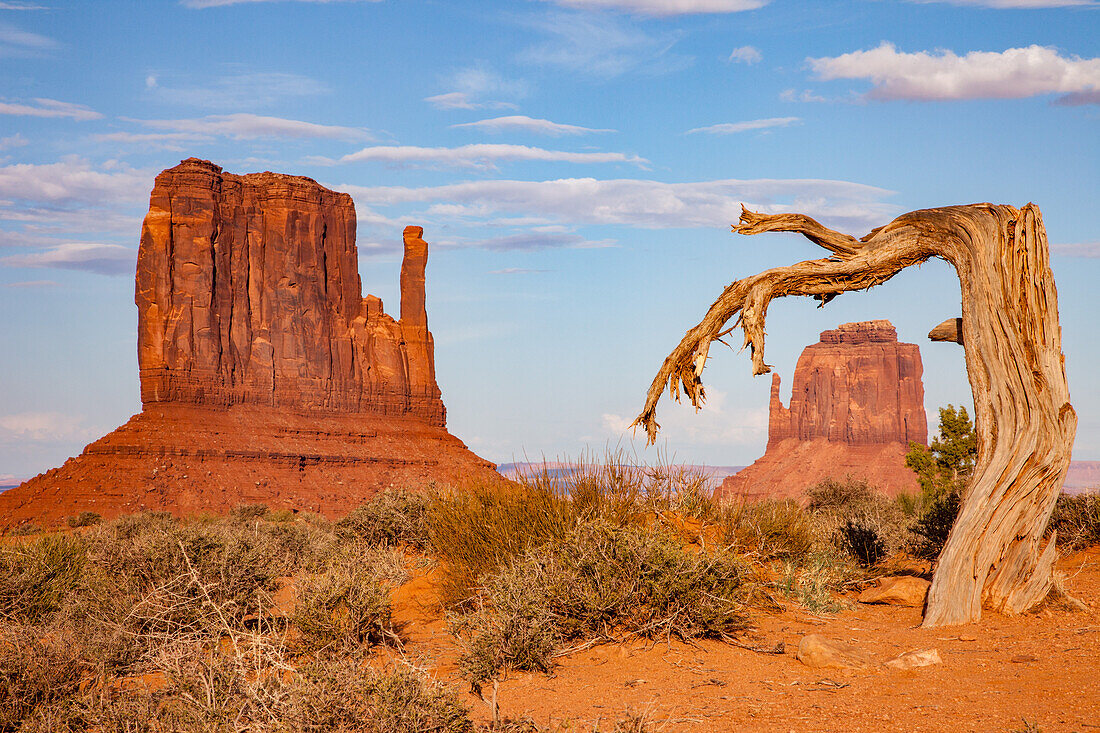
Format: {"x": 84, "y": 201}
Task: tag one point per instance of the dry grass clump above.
{"x": 769, "y": 529}
{"x": 39, "y": 665}
{"x": 36, "y": 577}
{"x": 1077, "y": 521}
{"x": 475, "y": 532}
{"x": 597, "y": 583}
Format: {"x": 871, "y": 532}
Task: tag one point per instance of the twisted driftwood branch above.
{"x": 1024, "y": 421}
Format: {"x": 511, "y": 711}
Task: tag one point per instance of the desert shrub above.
{"x": 864, "y": 540}
{"x": 339, "y": 694}
{"x": 1077, "y": 521}
{"x": 36, "y": 577}
{"x": 832, "y": 496}
{"x": 348, "y": 604}
{"x": 84, "y": 519}
{"x": 38, "y": 666}
{"x": 854, "y": 518}
{"x": 477, "y": 531}
{"x": 934, "y": 524}
{"x": 598, "y": 581}
{"x": 23, "y": 530}
{"x": 249, "y": 512}
{"x": 769, "y": 529}
{"x": 815, "y": 582}
{"x": 394, "y": 517}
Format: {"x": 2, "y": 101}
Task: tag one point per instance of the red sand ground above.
{"x": 1042, "y": 667}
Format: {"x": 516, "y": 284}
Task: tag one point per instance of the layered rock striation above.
{"x": 857, "y": 400}
{"x": 265, "y": 375}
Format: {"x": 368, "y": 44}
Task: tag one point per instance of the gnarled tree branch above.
{"x": 1014, "y": 361}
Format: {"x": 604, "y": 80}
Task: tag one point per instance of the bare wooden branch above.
{"x": 1024, "y": 420}
{"x": 949, "y": 330}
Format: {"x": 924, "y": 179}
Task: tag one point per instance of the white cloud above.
{"x": 1009, "y": 74}
{"x": 243, "y": 126}
{"x": 480, "y": 155}
{"x": 200, "y": 4}
{"x": 793, "y": 95}
{"x": 73, "y": 180}
{"x": 472, "y": 85}
{"x": 32, "y": 284}
{"x": 666, "y": 7}
{"x": 18, "y": 42}
{"x": 516, "y": 271}
{"x": 1076, "y": 249}
{"x": 13, "y": 141}
{"x": 101, "y": 259}
{"x": 1016, "y": 4}
{"x": 238, "y": 91}
{"x": 44, "y": 426}
{"x": 648, "y": 204}
{"x": 746, "y": 55}
{"x": 531, "y": 241}
{"x": 602, "y": 45}
{"x": 49, "y": 108}
{"x": 729, "y": 128}
{"x": 529, "y": 124}
{"x": 20, "y": 6}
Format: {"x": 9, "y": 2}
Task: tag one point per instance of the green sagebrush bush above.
{"x": 596, "y": 582}
{"x": 768, "y": 529}
{"x": 393, "y": 517}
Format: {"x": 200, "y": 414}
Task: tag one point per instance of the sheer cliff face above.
{"x": 858, "y": 385}
{"x": 248, "y": 292}
{"x": 856, "y": 402}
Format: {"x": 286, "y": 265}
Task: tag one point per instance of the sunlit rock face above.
{"x": 266, "y": 376}
{"x": 857, "y": 400}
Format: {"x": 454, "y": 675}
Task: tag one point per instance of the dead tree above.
{"x": 994, "y": 555}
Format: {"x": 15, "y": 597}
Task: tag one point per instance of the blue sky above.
{"x": 576, "y": 165}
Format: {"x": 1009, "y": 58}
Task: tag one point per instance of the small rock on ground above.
{"x": 900, "y": 590}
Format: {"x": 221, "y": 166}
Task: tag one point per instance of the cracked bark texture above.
{"x": 994, "y": 556}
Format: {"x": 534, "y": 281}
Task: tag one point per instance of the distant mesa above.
{"x": 856, "y": 402}
{"x": 265, "y": 375}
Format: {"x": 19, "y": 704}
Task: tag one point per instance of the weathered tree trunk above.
{"x": 1013, "y": 345}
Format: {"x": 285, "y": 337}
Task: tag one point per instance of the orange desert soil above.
{"x": 1043, "y": 667}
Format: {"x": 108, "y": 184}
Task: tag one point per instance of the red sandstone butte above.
{"x": 265, "y": 375}
{"x": 857, "y": 401}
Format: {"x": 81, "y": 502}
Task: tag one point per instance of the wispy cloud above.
{"x": 746, "y": 55}
{"x": 15, "y": 41}
{"x": 1015, "y": 4}
{"x": 49, "y": 108}
{"x": 237, "y": 91}
{"x": 530, "y": 242}
{"x": 73, "y": 180}
{"x": 44, "y": 426}
{"x": 244, "y": 126}
{"x": 666, "y": 7}
{"x": 730, "y": 128}
{"x": 943, "y": 75}
{"x": 516, "y": 271}
{"x": 482, "y": 155}
{"x": 473, "y": 85}
{"x": 13, "y": 141}
{"x": 1078, "y": 249}
{"x": 31, "y": 284}
{"x": 200, "y": 4}
{"x": 717, "y": 423}
{"x": 597, "y": 44}
{"x": 647, "y": 204}
{"x": 21, "y": 6}
{"x": 101, "y": 259}
{"x": 524, "y": 123}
